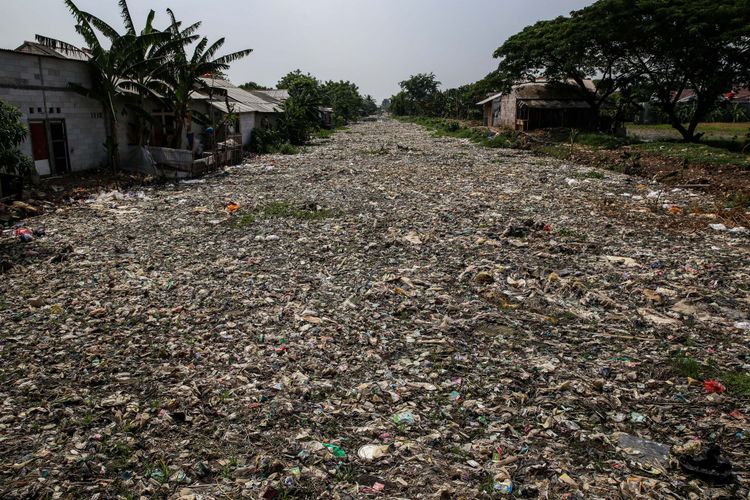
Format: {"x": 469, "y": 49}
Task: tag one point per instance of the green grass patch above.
{"x": 604, "y": 141}
{"x": 694, "y": 153}
{"x": 282, "y": 209}
{"x": 243, "y": 220}
{"x": 326, "y": 133}
{"x": 442, "y": 127}
{"x": 284, "y": 149}
{"x": 593, "y": 174}
{"x": 687, "y": 367}
{"x": 718, "y": 129}
{"x": 736, "y": 382}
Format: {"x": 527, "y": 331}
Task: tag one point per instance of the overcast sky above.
{"x": 374, "y": 43}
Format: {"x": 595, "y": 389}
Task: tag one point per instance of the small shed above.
{"x": 491, "y": 109}
{"x": 543, "y": 104}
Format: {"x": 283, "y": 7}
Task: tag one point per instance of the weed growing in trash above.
{"x": 280, "y": 209}
{"x": 243, "y": 220}
{"x": 593, "y": 174}
{"x": 347, "y": 473}
{"x": 737, "y": 382}
{"x": 229, "y": 467}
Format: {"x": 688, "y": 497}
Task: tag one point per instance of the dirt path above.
{"x": 481, "y": 317}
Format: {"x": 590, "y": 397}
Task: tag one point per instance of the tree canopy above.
{"x": 420, "y": 95}
{"x": 253, "y": 86}
{"x": 650, "y": 48}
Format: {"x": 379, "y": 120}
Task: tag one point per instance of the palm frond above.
{"x": 208, "y": 55}
{"x": 86, "y": 31}
{"x": 191, "y": 30}
{"x": 102, "y": 26}
{"x": 198, "y": 51}
{"x": 126, "y": 18}
{"x": 175, "y": 26}
{"x": 149, "y": 22}
{"x": 230, "y": 58}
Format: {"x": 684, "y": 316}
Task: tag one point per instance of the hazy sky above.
{"x": 374, "y": 43}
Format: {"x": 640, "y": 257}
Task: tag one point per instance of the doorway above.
{"x": 40, "y": 147}
{"x": 59, "y": 141}
{"x": 49, "y": 146}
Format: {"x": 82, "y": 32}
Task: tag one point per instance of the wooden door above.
{"x": 39, "y": 143}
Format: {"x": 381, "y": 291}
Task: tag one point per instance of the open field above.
{"x": 726, "y": 132}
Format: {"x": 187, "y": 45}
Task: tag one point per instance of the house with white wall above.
{"x": 67, "y": 131}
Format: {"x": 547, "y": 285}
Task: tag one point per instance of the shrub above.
{"x": 265, "y": 140}
{"x": 12, "y": 134}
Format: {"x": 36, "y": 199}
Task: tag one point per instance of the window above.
{"x": 31, "y": 111}
{"x": 58, "y": 110}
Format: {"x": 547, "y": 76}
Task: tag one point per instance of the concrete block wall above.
{"x": 247, "y": 125}
{"x": 508, "y": 111}
{"x": 21, "y": 86}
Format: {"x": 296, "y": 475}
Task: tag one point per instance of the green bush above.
{"x": 271, "y": 141}
{"x": 12, "y": 134}
{"x": 451, "y": 128}
{"x": 285, "y": 149}
{"x": 265, "y": 140}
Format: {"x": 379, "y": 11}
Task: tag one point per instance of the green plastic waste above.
{"x": 337, "y": 451}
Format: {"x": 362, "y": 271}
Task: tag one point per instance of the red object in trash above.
{"x": 25, "y": 234}
{"x": 712, "y": 386}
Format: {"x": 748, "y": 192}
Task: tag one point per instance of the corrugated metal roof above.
{"x": 555, "y": 104}
{"x": 490, "y": 99}
{"x": 59, "y": 52}
{"x": 279, "y": 95}
{"x": 549, "y": 91}
{"x": 241, "y": 101}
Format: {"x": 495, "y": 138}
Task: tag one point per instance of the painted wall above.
{"x": 39, "y": 84}
{"x": 248, "y": 122}
{"x": 508, "y": 111}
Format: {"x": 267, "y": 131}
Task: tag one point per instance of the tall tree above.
{"x": 420, "y": 95}
{"x": 113, "y": 67}
{"x": 293, "y": 77}
{"x": 567, "y": 49}
{"x": 301, "y": 108}
{"x": 185, "y": 71}
{"x": 12, "y": 134}
{"x": 344, "y": 98}
{"x": 369, "y": 106}
{"x": 662, "y": 47}
{"x": 701, "y": 45}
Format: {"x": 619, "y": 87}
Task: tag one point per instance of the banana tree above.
{"x": 184, "y": 72}
{"x": 150, "y": 80}
{"x": 113, "y": 68}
